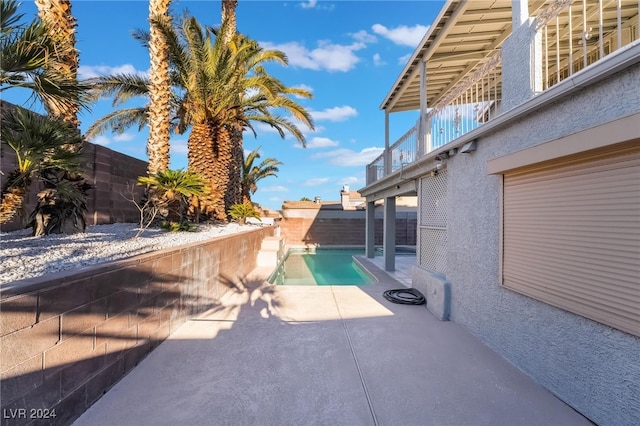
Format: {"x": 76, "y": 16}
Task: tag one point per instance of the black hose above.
{"x": 405, "y": 296}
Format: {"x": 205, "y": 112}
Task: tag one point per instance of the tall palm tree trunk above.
{"x": 233, "y": 192}
{"x": 229, "y": 16}
{"x": 159, "y": 90}
{"x": 61, "y": 25}
{"x": 12, "y": 196}
{"x": 206, "y": 158}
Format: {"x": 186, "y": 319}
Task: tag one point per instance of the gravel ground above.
{"x": 23, "y": 256}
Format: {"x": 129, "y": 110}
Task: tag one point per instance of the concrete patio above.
{"x": 278, "y": 355}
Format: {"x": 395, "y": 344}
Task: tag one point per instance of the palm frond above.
{"x": 119, "y": 121}
{"x": 122, "y": 87}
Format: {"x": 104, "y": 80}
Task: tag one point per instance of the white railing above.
{"x": 577, "y": 33}
{"x": 375, "y": 169}
{"x": 574, "y": 33}
{"x": 471, "y": 103}
{"x": 405, "y": 150}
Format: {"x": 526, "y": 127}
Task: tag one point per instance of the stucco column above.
{"x": 521, "y": 59}
{"x": 370, "y": 224}
{"x": 519, "y": 12}
{"x": 387, "y": 153}
{"x": 423, "y": 146}
{"x": 389, "y": 235}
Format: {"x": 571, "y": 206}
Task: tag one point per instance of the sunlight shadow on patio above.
{"x": 255, "y": 300}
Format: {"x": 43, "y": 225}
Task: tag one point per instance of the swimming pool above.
{"x": 320, "y": 267}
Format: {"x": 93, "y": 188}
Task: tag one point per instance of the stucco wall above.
{"x": 591, "y": 366}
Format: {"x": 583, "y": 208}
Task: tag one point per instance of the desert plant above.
{"x": 61, "y": 206}
{"x": 182, "y": 226}
{"x": 174, "y": 191}
{"x": 39, "y": 144}
{"x": 147, "y": 209}
{"x": 241, "y": 212}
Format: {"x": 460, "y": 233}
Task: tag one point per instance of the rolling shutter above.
{"x": 571, "y": 234}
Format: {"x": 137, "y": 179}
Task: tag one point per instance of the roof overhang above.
{"x": 463, "y": 36}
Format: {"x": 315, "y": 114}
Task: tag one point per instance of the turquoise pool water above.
{"x": 320, "y": 267}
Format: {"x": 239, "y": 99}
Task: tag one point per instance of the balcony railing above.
{"x": 574, "y": 34}
{"x": 472, "y": 102}
{"x": 577, "y": 33}
{"x": 405, "y": 150}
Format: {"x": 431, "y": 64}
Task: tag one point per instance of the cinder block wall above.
{"x": 113, "y": 175}
{"x": 67, "y": 338}
{"x": 344, "y": 228}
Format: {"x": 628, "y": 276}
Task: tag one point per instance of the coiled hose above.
{"x": 405, "y": 296}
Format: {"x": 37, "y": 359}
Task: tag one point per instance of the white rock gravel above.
{"x": 23, "y": 256}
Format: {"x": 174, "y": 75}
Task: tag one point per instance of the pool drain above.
{"x": 405, "y": 296}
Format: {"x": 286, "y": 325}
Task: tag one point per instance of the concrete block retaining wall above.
{"x": 67, "y": 338}
{"x": 344, "y": 228}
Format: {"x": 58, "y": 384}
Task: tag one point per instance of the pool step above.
{"x": 271, "y": 251}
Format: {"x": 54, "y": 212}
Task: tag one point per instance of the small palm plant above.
{"x": 241, "y": 212}
{"x": 39, "y": 146}
{"x": 174, "y": 191}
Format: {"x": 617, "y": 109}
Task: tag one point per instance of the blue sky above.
{"x": 347, "y": 53}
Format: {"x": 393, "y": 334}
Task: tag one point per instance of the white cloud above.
{"x": 377, "y": 60}
{"x": 350, "y": 158}
{"x": 179, "y": 147}
{"x": 313, "y": 4}
{"x": 327, "y": 56}
{"x": 349, "y": 180}
{"x": 318, "y": 142}
{"x": 90, "y": 71}
{"x": 304, "y": 87}
{"x": 124, "y": 137}
{"x": 364, "y": 37}
{"x": 274, "y": 188}
{"x": 402, "y": 35}
{"x": 315, "y": 181}
{"x": 100, "y": 140}
{"x": 108, "y": 140}
{"x": 340, "y": 113}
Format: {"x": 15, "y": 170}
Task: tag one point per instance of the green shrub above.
{"x": 184, "y": 226}
{"x": 173, "y": 191}
{"x": 241, "y": 212}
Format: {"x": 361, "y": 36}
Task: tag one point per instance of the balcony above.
{"x": 454, "y": 78}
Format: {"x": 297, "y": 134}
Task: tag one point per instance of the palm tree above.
{"x": 26, "y": 50}
{"x": 61, "y": 28}
{"x": 39, "y": 145}
{"x": 225, "y": 87}
{"x": 229, "y": 16}
{"x": 159, "y": 111}
{"x": 233, "y": 193}
{"x": 41, "y": 56}
{"x": 252, "y": 174}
